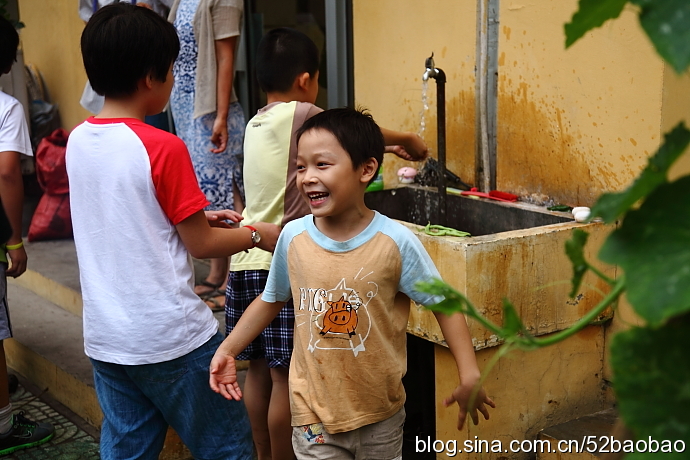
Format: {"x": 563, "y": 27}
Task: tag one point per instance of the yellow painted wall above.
{"x": 51, "y": 42}
{"x": 392, "y": 39}
{"x": 532, "y": 390}
{"x": 676, "y": 108}
{"x": 571, "y": 123}
{"x": 574, "y": 123}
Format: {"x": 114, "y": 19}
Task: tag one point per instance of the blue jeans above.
{"x": 139, "y": 402}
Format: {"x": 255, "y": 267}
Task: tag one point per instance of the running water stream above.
{"x": 425, "y": 107}
{"x": 422, "y": 118}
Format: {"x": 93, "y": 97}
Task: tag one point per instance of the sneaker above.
{"x": 24, "y": 433}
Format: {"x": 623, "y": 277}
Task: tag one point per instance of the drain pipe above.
{"x": 486, "y": 94}
{"x": 439, "y": 75}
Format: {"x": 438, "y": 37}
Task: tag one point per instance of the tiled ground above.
{"x": 69, "y": 443}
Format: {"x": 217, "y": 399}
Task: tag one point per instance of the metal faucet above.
{"x": 440, "y": 77}
{"x": 432, "y": 71}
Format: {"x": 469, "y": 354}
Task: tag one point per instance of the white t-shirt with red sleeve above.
{"x": 130, "y": 184}
{"x": 14, "y": 135}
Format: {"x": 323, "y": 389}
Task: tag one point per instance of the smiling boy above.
{"x": 350, "y": 271}
{"x": 287, "y": 63}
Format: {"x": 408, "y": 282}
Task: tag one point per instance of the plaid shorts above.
{"x": 275, "y": 342}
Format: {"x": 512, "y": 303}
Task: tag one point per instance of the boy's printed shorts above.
{"x": 275, "y": 342}
{"x": 5, "y": 325}
{"x": 382, "y": 441}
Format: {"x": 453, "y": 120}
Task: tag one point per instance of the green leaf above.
{"x": 511, "y": 321}
{"x": 453, "y": 301}
{"x": 591, "y": 14}
{"x": 653, "y": 248}
{"x": 433, "y": 287}
{"x": 651, "y": 376}
{"x": 514, "y": 330}
{"x": 667, "y": 23}
{"x": 611, "y": 205}
{"x": 447, "y": 307}
{"x": 574, "y": 248}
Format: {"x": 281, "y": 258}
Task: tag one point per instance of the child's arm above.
{"x": 459, "y": 341}
{"x": 12, "y": 195}
{"x": 408, "y": 146}
{"x": 205, "y": 242}
{"x": 223, "y": 377}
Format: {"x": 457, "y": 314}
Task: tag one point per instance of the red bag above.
{"x": 52, "y": 219}
{"x": 51, "y": 169}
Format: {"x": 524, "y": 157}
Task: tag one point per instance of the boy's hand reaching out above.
{"x": 408, "y": 146}
{"x": 219, "y": 218}
{"x": 462, "y": 395}
{"x": 223, "y": 378}
{"x": 399, "y": 151}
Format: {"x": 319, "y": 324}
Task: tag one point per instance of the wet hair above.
{"x": 356, "y": 132}
{"x": 284, "y": 54}
{"x": 9, "y": 42}
{"x": 123, "y": 43}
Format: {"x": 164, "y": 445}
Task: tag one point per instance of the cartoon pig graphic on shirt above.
{"x": 340, "y": 318}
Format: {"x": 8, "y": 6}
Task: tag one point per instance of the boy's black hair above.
{"x": 284, "y": 54}
{"x": 356, "y": 132}
{"x": 123, "y": 43}
{"x": 9, "y": 42}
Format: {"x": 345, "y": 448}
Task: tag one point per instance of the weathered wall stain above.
{"x": 537, "y": 153}
{"x": 531, "y": 390}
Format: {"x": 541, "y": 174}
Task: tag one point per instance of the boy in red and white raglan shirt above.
{"x": 137, "y": 214}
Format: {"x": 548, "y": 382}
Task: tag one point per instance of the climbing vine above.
{"x": 650, "y": 364}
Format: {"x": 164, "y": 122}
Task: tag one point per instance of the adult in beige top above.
{"x": 207, "y": 116}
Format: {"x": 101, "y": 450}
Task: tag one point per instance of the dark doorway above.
{"x": 326, "y": 22}
{"x": 420, "y": 406}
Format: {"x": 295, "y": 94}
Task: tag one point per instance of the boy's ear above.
{"x": 302, "y": 81}
{"x": 148, "y": 81}
{"x": 369, "y": 169}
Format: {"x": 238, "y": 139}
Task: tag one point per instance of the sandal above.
{"x": 212, "y": 288}
{"x": 214, "y": 304}
{"x": 215, "y": 293}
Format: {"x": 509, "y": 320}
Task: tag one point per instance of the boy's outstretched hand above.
{"x": 462, "y": 395}
{"x": 220, "y": 218}
{"x": 223, "y": 378}
{"x": 408, "y": 146}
